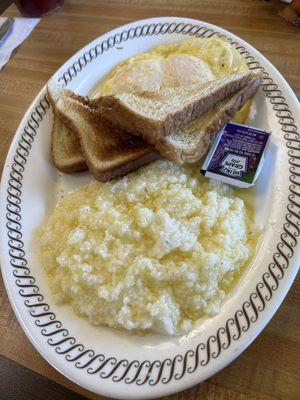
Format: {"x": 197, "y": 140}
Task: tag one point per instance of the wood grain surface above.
{"x": 268, "y": 369}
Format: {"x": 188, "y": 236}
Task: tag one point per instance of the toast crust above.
{"x": 64, "y": 149}
{"x": 66, "y": 152}
{"x": 109, "y": 152}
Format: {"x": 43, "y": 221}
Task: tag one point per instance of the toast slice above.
{"x": 109, "y": 151}
{"x": 192, "y": 142}
{"x": 66, "y": 152}
{"x": 157, "y": 114}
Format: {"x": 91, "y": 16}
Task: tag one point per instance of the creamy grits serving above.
{"x": 160, "y": 248}
{"x": 153, "y": 251}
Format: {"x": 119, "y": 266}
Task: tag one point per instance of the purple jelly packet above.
{"x": 237, "y": 155}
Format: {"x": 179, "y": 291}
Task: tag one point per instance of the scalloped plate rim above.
{"x": 9, "y": 283}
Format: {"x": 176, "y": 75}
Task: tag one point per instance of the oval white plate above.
{"x": 111, "y": 362}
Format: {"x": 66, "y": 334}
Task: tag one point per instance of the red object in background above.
{"x": 37, "y": 8}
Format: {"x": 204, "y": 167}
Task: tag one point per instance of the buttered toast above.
{"x": 157, "y": 114}
{"x": 116, "y": 134}
{"x": 109, "y": 151}
{"x": 191, "y": 143}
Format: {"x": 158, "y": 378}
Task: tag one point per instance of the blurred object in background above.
{"x": 291, "y": 13}
{"x": 37, "y": 8}
{"x": 19, "y": 29}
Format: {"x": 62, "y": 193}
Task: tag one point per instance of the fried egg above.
{"x": 189, "y": 62}
{"x": 136, "y": 75}
{"x": 184, "y": 69}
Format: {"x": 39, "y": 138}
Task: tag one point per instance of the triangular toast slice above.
{"x": 192, "y": 142}
{"x": 109, "y": 151}
{"x": 153, "y": 115}
{"x": 66, "y": 151}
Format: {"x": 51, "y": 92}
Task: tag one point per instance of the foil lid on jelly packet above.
{"x": 237, "y": 155}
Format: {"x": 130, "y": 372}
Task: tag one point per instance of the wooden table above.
{"x": 268, "y": 369}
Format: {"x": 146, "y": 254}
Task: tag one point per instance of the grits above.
{"x": 153, "y": 251}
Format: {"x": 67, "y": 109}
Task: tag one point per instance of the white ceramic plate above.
{"x": 114, "y": 363}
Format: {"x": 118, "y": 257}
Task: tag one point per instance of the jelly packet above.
{"x": 237, "y": 155}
